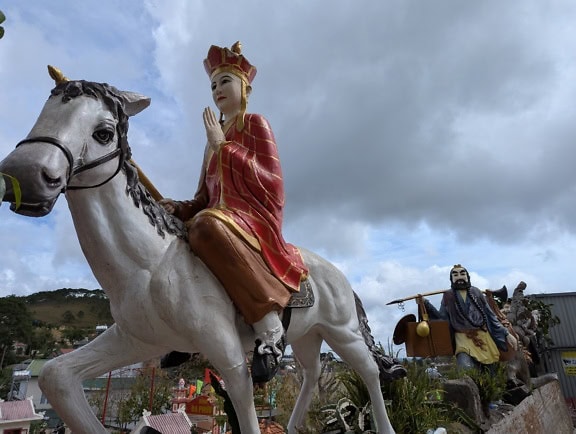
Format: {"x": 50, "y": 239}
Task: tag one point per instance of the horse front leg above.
{"x": 61, "y": 378}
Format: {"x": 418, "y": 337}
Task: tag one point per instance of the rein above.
{"x": 74, "y": 170}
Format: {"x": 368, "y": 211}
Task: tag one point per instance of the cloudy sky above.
{"x": 414, "y": 135}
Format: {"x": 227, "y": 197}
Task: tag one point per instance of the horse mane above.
{"x": 387, "y": 365}
{"x": 157, "y": 216}
{"x": 109, "y": 95}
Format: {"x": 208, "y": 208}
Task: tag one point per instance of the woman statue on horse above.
{"x": 234, "y": 221}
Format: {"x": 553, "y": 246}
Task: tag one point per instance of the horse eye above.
{"x": 103, "y": 136}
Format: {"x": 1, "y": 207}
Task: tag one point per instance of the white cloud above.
{"x": 413, "y": 135}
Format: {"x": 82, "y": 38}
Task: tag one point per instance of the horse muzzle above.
{"x": 33, "y": 210}
{"x": 38, "y": 190}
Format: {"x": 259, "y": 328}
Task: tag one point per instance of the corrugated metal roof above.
{"x": 18, "y": 410}
{"x": 36, "y": 366}
{"x": 170, "y": 423}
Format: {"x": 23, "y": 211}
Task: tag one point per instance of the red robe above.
{"x": 242, "y": 185}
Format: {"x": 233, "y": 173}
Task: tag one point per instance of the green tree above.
{"x": 5, "y": 382}
{"x": 191, "y": 370}
{"x": 73, "y": 334}
{"x": 546, "y": 320}
{"x": 38, "y": 427}
{"x": 68, "y": 317}
{"x": 42, "y": 342}
{"x": 15, "y": 324}
{"x": 329, "y": 389}
{"x": 151, "y": 380}
{"x": 2, "y": 19}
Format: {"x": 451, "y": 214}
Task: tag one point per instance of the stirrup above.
{"x": 266, "y": 360}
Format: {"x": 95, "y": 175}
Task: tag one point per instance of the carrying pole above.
{"x": 412, "y": 297}
{"x": 147, "y": 183}
{"x": 501, "y": 293}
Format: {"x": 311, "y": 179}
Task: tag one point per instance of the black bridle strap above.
{"x": 72, "y": 170}
{"x": 54, "y": 141}
{"x": 97, "y": 162}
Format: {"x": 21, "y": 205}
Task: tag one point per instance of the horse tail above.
{"x": 389, "y": 367}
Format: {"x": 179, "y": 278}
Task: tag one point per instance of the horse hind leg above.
{"x": 232, "y": 367}
{"x": 307, "y": 351}
{"x": 353, "y": 350}
{"x": 240, "y": 393}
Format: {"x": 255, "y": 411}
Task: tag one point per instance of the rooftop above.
{"x": 18, "y": 410}
{"x": 170, "y": 423}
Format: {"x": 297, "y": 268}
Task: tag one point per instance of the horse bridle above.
{"x": 74, "y": 170}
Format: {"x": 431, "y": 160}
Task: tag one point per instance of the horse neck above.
{"x": 116, "y": 236}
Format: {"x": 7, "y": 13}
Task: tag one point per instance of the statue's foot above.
{"x": 266, "y": 360}
{"x": 173, "y": 359}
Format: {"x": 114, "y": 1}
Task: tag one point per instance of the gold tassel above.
{"x": 243, "y": 103}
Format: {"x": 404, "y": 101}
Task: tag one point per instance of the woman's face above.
{"x": 227, "y": 93}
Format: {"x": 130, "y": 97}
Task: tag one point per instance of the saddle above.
{"x": 303, "y": 298}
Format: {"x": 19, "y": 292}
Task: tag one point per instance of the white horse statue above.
{"x": 162, "y": 297}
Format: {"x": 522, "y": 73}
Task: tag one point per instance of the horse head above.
{"x": 82, "y": 126}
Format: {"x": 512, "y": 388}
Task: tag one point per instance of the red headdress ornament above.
{"x": 220, "y": 59}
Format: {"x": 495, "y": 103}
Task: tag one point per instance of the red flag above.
{"x": 207, "y": 376}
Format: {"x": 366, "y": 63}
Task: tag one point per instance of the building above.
{"x": 25, "y": 386}
{"x": 174, "y": 423}
{"x": 560, "y": 357}
{"x": 28, "y": 386}
{"x": 107, "y": 391}
{"x": 113, "y": 385}
{"x": 16, "y": 416}
{"x": 19, "y": 386}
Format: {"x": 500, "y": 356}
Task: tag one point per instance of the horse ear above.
{"x": 134, "y": 103}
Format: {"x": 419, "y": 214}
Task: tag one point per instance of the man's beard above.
{"x": 460, "y": 284}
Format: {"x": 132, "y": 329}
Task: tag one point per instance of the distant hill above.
{"x": 78, "y": 308}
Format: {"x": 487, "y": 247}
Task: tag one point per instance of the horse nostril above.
{"x": 50, "y": 181}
